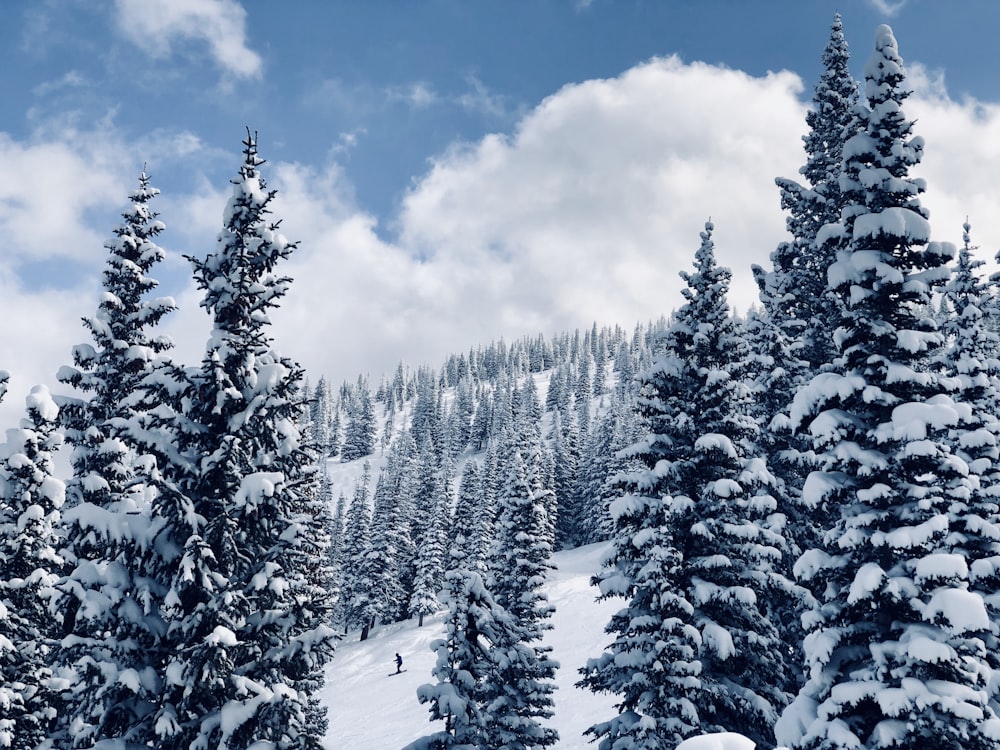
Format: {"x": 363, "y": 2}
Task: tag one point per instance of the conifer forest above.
{"x": 799, "y": 504}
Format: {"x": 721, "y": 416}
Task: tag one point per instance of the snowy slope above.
{"x": 370, "y": 710}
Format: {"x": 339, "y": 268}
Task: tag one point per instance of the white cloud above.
{"x": 888, "y": 7}
{"x": 71, "y": 80}
{"x": 418, "y": 95}
{"x": 155, "y": 26}
{"x": 55, "y": 184}
{"x": 481, "y": 100}
{"x": 585, "y": 212}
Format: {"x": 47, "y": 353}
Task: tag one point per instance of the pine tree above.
{"x": 30, "y": 501}
{"x": 359, "y": 435}
{"x": 471, "y": 524}
{"x": 566, "y": 449}
{"x": 696, "y": 544}
{"x": 108, "y": 597}
{"x": 601, "y": 462}
{"x": 794, "y": 292}
{"x": 357, "y": 544}
{"x": 462, "y": 664}
{"x": 246, "y": 633}
{"x": 431, "y": 552}
{"x": 901, "y": 646}
{"x": 335, "y": 551}
{"x": 519, "y": 563}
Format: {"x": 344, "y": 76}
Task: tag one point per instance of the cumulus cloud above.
{"x": 586, "y": 211}
{"x": 156, "y": 26}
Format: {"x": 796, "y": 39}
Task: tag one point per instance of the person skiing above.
{"x": 399, "y": 663}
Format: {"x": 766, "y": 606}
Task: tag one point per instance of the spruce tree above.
{"x": 359, "y": 434}
{"x": 900, "y": 648}
{"x": 109, "y": 598}
{"x": 431, "y": 552}
{"x": 357, "y": 544}
{"x": 30, "y": 501}
{"x": 518, "y": 565}
{"x": 794, "y": 292}
{"x": 462, "y": 664}
{"x": 246, "y": 633}
{"x": 697, "y": 545}
{"x": 468, "y": 521}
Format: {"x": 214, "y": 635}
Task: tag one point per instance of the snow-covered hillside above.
{"x": 371, "y": 709}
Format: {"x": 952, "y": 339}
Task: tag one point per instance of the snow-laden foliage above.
{"x": 900, "y": 648}
{"x": 518, "y": 565}
{"x": 698, "y": 545}
{"x": 109, "y": 663}
{"x": 30, "y": 501}
{"x": 483, "y": 671}
{"x": 794, "y": 292}
{"x": 246, "y": 633}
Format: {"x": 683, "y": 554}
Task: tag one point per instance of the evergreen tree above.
{"x": 600, "y": 463}
{"x": 30, "y": 501}
{"x": 245, "y": 637}
{"x": 335, "y": 551}
{"x": 696, "y": 544}
{"x": 900, "y": 648}
{"x": 379, "y": 575}
{"x": 566, "y": 449}
{"x": 470, "y": 522}
{"x": 359, "y": 435}
{"x": 108, "y": 597}
{"x": 357, "y": 544}
{"x": 431, "y": 551}
{"x": 519, "y": 563}
{"x": 795, "y": 293}
{"x": 462, "y": 664}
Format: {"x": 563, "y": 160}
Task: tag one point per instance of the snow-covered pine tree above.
{"x": 616, "y": 430}
{"x": 431, "y": 551}
{"x": 357, "y": 544}
{"x": 794, "y": 291}
{"x": 970, "y": 351}
{"x": 462, "y": 664}
{"x": 109, "y": 599}
{"x": 518, "y": 565}
{"x": 380, "y": 570}
{"x": 467, "y": 532}
{"x": 335, "y": 551}
{"x": 566, "y": 454}
{"x": 246, "y": 634}
{"x": 359, "y": 434}
{"x": 696, "y": 546}
{"x": 30, "y": 501}
{"x": 899, "y": 650}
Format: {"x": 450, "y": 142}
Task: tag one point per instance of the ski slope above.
{"x": 371, "y": 710}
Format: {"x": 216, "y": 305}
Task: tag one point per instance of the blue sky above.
{"x": 455, "y": 171}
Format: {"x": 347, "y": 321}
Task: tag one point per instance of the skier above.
{"x": 399, "y": 663}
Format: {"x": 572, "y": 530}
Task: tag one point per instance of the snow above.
{"x": 715, "y": 442}
{"x": 359, "y": 685}
{"x": 41, "y": 400}
{"x": 867, "y": 580}
{"x": 718, "y": 741}
{"x": 894, "y": 221}
{"x": 963, "y": 610}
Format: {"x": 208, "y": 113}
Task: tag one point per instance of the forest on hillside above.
{"x": 801, "y": 502}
